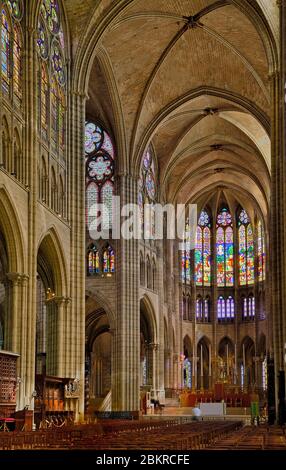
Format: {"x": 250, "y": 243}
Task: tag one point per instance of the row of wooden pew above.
{"x": 253, "y": 438}
{"x": 156, "y": 435}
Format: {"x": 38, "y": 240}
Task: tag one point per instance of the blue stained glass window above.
{"x": 5, "y": 50}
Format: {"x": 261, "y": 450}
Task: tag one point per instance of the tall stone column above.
{"x": 237, "y": 299}
{"x": 176, "y": 309}
{"x": 169, "y": 300}
{"x": 214, "y": 296}
{"x": 74, "y": 311}
{"x": 22, "y": 338}
{"x": 159, "y": 286}
{"x": 56, "y": 336}
{"x": 31, "y": 152}
{"x": 278, "y": 229}
{"x": 277, "y": 213}
{"x": 15, "y": 325}
{"x": 126, "y": 389}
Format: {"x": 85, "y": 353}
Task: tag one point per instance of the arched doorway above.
{"x": 56, "y": 392}
{"x": 148, "y": 347}
{"x": 146, "y": 350}
{"x": 98, "y": 361}
{"x": 46, "y": 330}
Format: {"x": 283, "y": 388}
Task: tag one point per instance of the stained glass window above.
{"x": 261, "y": 252}
{"x": 42, "y": 40}
{"x": 199, "y": 308}
{"x": 207, "y": 309}
{"x": 230, "y": 308}
{"x": 92, "y": 199}
{"x": 16, "y": 8}
{"x": 251, "y": 306}
{"x": 108, "y": 261}
{"x": 58, "y": 63}
{"x": 199, "y": 257}
{"x": 61, "y": 118}
{"x": 17, "y": 66}
{"x": 93, "y": 260}
{"x": 99, "y": 152}
{"x": 186, "y": 257}
{"x": 207, "y": 256}
{"x": 5, "y": 50}
{"x": 220, "y": 308}
{"x": 50, "y": 11}
{"x": 203, "y": 251}
{"x": 245, "y": 307}
{"x": 44, "y": 100}
{"x": 50, "y": 45}
{"x": 224, "y": 249}
{"x": 11, "y": 48}
{"x": 225, "y": 308}
{"x": 248, "y": 307}
{"x": 147, "y": 194}
{"x": 246, "y": 249}
{"x": 54, "y": 111}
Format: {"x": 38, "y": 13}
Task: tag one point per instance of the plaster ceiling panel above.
{"x": 199, "y": 60}
{"x": 134, "y": 50}
{"x": 166, "y": 138}
{"x": 229, "y": 22}
{"x": 203, "y": 102}
{"x": 176, "y": 7}
{"x": 212, "y": 126}
{"x": 99, "y": 105}
{"x": 246, "y": 186}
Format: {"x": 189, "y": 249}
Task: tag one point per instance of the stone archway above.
{"x": 203, "y": 363}
{"x": 148, "y": 346}
{"x": 51, "y": 303}
{"x": 98, "y": 361}
{"x": 247, "y": 365}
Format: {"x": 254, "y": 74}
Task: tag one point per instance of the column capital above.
{"x": 59, "y": 300}
{"x": 275, "y": 74}
{"x": 153, "y": 346}
{"x": 17, "y": 278}
{"x": 80, "y": 93}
